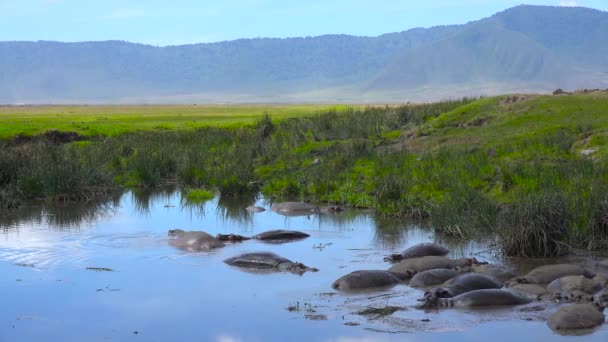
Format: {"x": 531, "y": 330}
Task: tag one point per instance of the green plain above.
{"x": 114, "y": 120}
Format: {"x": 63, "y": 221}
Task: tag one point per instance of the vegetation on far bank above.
{"x": 115, "y": 120}
{"x": 531, "y": 169}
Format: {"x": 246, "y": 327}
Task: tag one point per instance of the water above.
{"x": 158, "y": 293}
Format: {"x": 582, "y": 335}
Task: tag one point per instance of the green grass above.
{"x": 198, "y": 195}
{"x": 508, "y": 166}
{"x": 115, "y": 120}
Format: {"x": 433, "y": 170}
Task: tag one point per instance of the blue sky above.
{"x": 191, "y": 21}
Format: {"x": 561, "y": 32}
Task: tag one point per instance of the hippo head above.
{"x": 175, "y": 232}
{"x": 431, "y": 297}
{"x": 579, "y": 297}
{"x": 299, "y": 268}
{"x": 393, "y": 258}
{"x": 601, "y": 306}
{"x": 519, "y": 280}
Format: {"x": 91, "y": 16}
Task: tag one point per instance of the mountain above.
{"x": 525, "y": 48}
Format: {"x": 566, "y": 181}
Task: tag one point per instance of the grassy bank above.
{"x": 531, "y": 169}
{"x": 115, "y": 120}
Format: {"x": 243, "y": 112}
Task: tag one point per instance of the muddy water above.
{"x": 157, "y": 293}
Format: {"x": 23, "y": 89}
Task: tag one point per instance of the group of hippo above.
{"x": 198, "y": 241}
{"x": 446, "y": 282}
{"x": 469, "y": 283}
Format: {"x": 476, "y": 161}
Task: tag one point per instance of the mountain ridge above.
{"x": 531, "y": 48}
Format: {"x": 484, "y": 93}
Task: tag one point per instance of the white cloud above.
{"x": 227, "y": 338}
{"x": 569, "y": 3}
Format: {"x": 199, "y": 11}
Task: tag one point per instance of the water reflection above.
{"x": 160, "y": 285}
{"x": 59, "y": 215}
{"x": 144, "y": 198}
{"x": 233, "y": 208}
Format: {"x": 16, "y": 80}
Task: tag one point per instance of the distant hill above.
{"x": 526, "y": 48}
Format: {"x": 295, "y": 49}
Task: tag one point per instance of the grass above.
{"x": 198, "y": 195}
{"x": 115, "y": 120}
{"x": 508, "y": 165}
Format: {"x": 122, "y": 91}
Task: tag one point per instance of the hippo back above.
{"x": 489, "y": 297}
{"x": 424, "y": 249}
{"x": 195, "y": 241}
{"x": 432, "y": 277}
{"x": 576, "y": 317}
{"x": 256, "y": 260}
{"x": 280, "y": 235}
{"x": 574, "y": 283}
{"x": 366, "y": 280}
{"x": 294, "y": 207}
{"x": 548, "y": 273}
{"x": 408, "y": 267}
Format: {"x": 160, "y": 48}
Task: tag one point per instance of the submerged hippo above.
{"x": 568, "y": 284}
{"x": 485, "y": 297}
{"x": 576, "y": 317}
{"x": 269, "y": 236}
{"x": 366, "y": 280}
{"x": 193, "y": 241}
{"x": 548, "y": 273}
{"x": 419, "y": 250}
{"x": 255, "y": 209}
{"x": 268, "y": 261}
{"x": 295, "y": 208}
{"x": 408, "y": 267}
{"x": 461, "y": 284}
{"x": 432, "y": 277}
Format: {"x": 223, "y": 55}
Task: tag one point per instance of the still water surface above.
{"x": 158, "y": 293}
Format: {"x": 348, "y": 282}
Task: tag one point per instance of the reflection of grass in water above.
{"x": 233, "y": 207}
{"x": 62, "y": 216}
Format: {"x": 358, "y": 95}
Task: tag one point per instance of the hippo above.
{"x": 565, "y": 285}
{"x": 576, "y": 317}
{"x": 255, "y": 209}
{"x": 575, "y": 296}
{"x": 531, "y": 290}
{"x": 193, "y": 241}
{"x": 461, "y": 284}
{"x": 602, "y": 266}
{"x": 276, "y": 236}
{"x": 295, "y": 209}
{"x": 268, "y": 261}
{"x": 366, "y": 280}
{"x": 419, "y": 250}
{"x": 408, "y": 267}
{"x": 602, "y": 279}
{"x": 331, "y": 209}
{"x": 484, "y": 297}
{"x": 548, "y": 273}
{"x": 601, "y": 297}
{"x": 432, "y": 277}
{"x": 280, "y": 235}
{"x": 498, "y": 273}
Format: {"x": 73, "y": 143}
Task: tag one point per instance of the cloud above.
{"x": 569, "y": 3}
{"x": 227, "y": 338}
